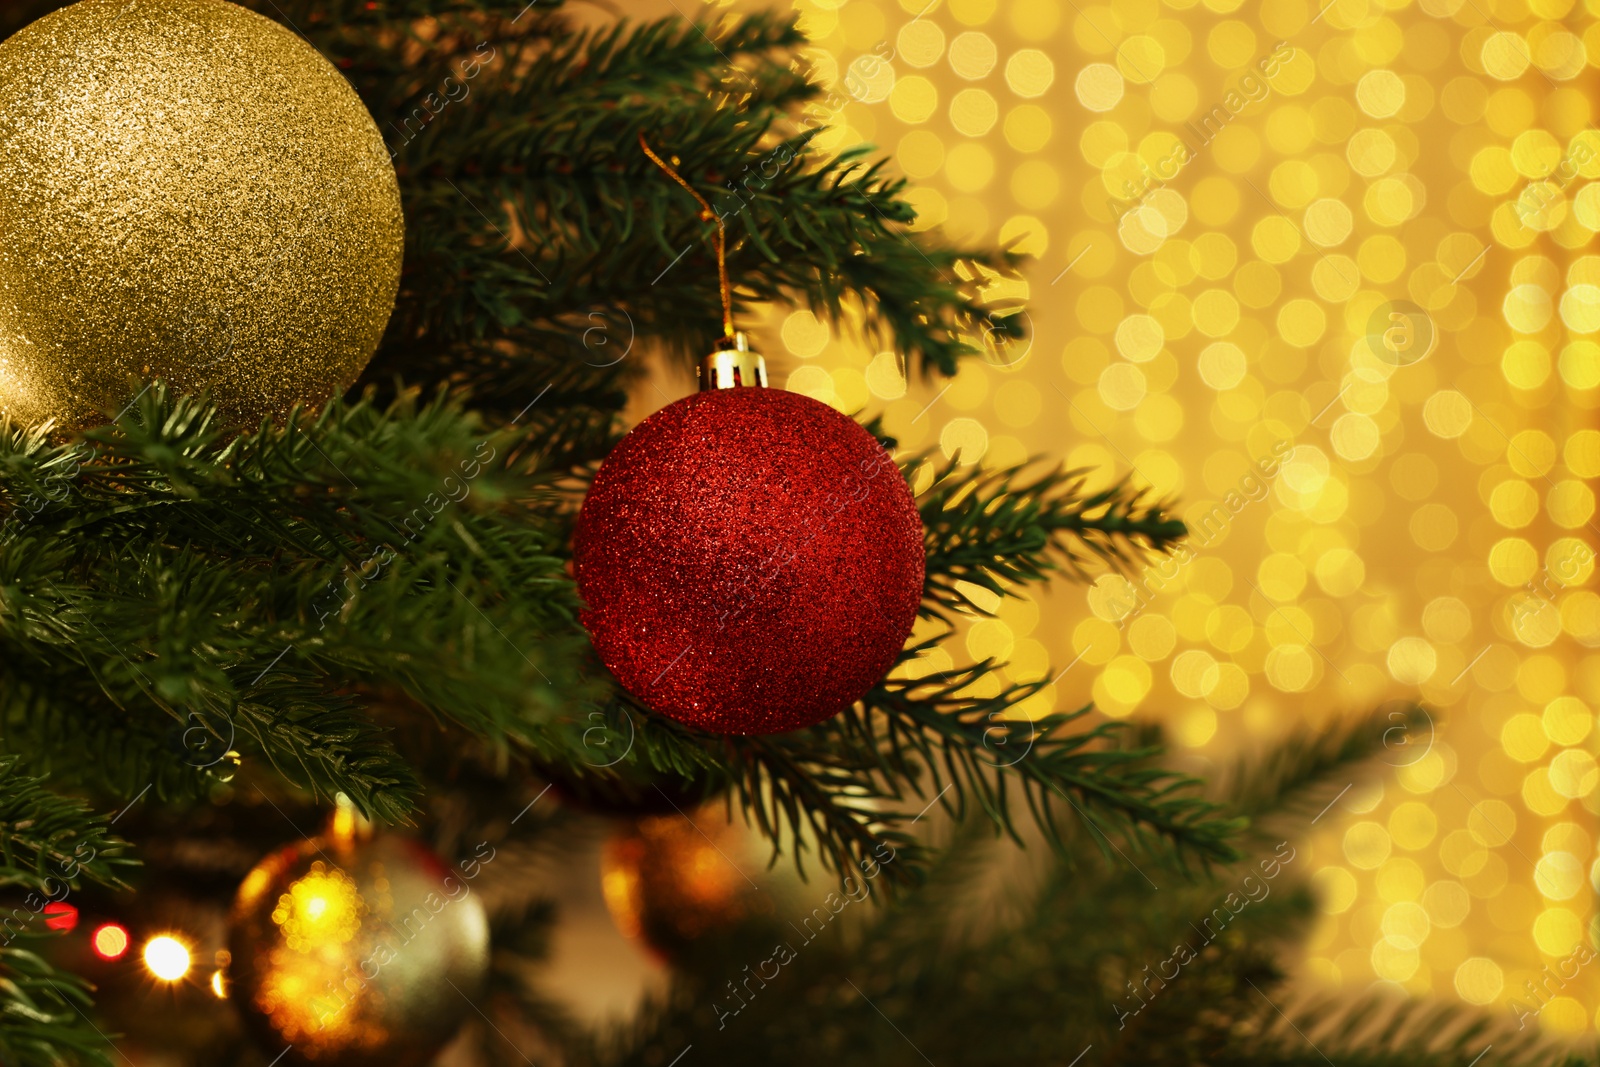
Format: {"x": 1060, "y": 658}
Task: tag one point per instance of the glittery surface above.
{"x": 187, "y": 190}
{"x": 751, "y": 560}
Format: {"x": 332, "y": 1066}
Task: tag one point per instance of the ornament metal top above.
{"x": 731, "y": 365}
{"x": 188, "y": 191}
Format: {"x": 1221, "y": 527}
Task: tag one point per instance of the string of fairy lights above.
{"x": 168, "y": 956}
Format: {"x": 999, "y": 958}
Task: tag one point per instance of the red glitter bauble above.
{"x": 751, "y": 561}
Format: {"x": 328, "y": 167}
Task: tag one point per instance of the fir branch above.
{"x": 49, "y": 846}
{"x": 1290, "y": 777}
{"x": 1079, "y": 958}
{"x": 48, "y": 840}
{"x": 60, "y": 720}
{"x": 1386, "y": 1031}
{"x": 245, "y": 582}
{"x": 974, "y": 746}
{"x": 841, "y": 785}
{"x": 997, "y": 528}
{"x": 530, "y": 209}
{"x": 43, "y": 1015}
{"x": 800, "y": 789}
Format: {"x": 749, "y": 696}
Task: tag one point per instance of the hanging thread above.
{"x": 706, "y": 215}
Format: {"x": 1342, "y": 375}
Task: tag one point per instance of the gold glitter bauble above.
{"x": 187, "y": 191}
{"x": 346, "y": 951}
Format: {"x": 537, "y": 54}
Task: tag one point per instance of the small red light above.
{"x": 110, "y": 942}
{"x": 62, "y": 916}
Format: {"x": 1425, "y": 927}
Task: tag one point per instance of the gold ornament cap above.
{"x": 732, "y": 365}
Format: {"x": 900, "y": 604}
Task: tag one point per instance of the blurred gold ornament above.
{"x": 672, "y": 880}
{"x": 190, "y": 192}
{"x": 356, "y": 952}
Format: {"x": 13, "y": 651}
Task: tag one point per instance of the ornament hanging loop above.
{"x": 731, "y": 363}
{"x": 706, "y": 215}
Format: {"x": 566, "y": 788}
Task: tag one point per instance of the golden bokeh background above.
{"x": 1350, "y": 242}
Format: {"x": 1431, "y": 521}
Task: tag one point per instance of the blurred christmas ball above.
{"x": 187, "y": 191}
{"x": 751, "y": 559}
{"x": 357, "y": 952}
{"x": 673, "y": 881}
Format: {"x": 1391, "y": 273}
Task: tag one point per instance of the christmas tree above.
{"x": 220, "y": 635}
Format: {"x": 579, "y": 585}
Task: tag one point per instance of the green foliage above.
{"x": 44, "y": 1019}
{"x": 1286, "y": 779}
{"x": 49, "y": 845}
{"x": 1031, "y": 524}
{"x": 541, "y": 242}
{"x": 999, "y": 961}
{"x": 48, "y": 840}
{"x": 203, "y": 583}
{"x": 923, "y": 737}
{"x": 973, "y": 747}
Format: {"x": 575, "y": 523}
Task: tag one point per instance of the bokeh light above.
{"x": 110, "y": 941}
{"x": 166, "y": 958}
{"x": 1356, "y": 239}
